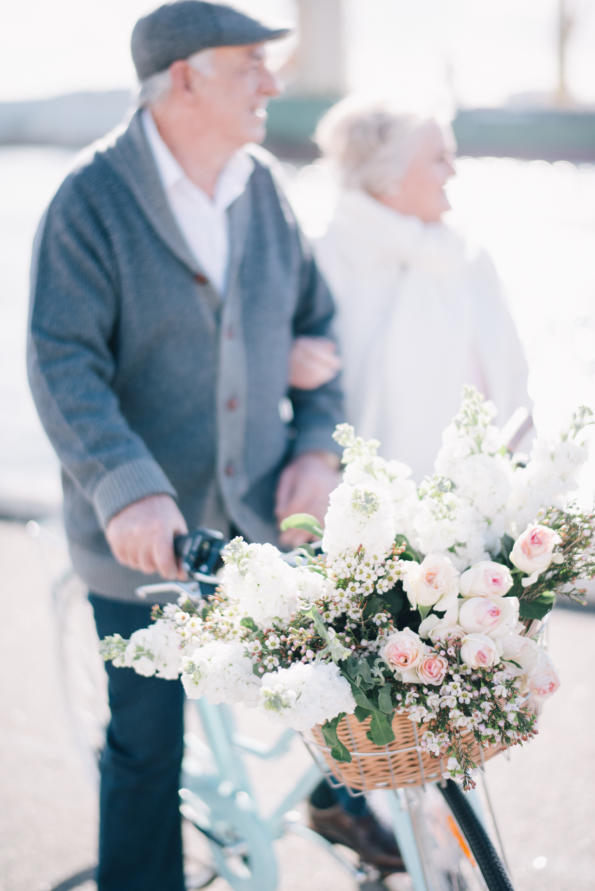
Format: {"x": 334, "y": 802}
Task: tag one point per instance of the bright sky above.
{"x": 486, "y": 49}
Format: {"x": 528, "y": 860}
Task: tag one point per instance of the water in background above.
{"x": 537, "y": 220}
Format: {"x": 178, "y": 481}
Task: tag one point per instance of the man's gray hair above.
{"x": 369, "y": 142}
{"x": 155, "y": 87}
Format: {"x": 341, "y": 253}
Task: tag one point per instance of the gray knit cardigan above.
{"x": 149, "y": 381}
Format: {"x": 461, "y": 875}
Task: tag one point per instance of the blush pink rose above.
{"x": 432, "y": 668}
{"x": 403, "y": 650}
{"x": 486, "y": 579}
{"x": 479, "y": 651}
{"x": 543, "y": 680}
{"x": 489, "y": 616}
{"x": 534, "y": 549}
{"x": 433, "y": 582}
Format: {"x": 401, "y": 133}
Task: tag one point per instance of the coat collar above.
{"x": 363, "y": 225}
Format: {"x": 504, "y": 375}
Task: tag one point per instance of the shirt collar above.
{"x": 232, "y": 179}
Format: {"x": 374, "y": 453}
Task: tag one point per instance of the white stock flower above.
{"x": 486, "y": 579}
{"x": 433, "y": 582}
{"x": 359, "y": 517}
{"x": 259, "y": 581}
{"x": 221, "y": 672}
{"x": 480, "y": 651}
{"x": 304, "y": 695}
{"x": 156, "y": 649}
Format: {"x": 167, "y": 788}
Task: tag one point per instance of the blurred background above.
{"x": 518, "y": 77}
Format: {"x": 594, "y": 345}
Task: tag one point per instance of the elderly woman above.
{"x": 420, "y": 311}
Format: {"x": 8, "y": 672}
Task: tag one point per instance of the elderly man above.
{"x": 169, "y": 281}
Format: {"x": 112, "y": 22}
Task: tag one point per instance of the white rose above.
{"x": 482, "y": 614}
{"x": 486, "y": 579}
{"x": 433, "y": 582}
{"x": 480, "y": 651}
{"x": 534, "y": 549}
{"x": 440, "y": 630}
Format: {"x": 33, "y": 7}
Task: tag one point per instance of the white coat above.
{"x": 420, "y": 314}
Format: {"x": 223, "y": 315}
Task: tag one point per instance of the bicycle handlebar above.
{"x": 200, "y": 553}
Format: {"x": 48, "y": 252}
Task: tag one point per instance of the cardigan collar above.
{"x": 132, "y": 158}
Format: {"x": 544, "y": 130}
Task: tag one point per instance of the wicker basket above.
{"x": 400, "y": 763}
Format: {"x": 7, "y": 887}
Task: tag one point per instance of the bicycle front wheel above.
{"x": 479, "y": 843}
{"x": 443, "y": 843}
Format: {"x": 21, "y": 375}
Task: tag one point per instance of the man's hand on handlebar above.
{"x": 141, "y": 536}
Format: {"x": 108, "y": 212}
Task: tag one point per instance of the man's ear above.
{"x": 181, "y": 77}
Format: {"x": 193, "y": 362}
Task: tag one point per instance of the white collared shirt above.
{"x": 202, "y": 220}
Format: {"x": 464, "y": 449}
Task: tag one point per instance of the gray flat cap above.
{"x": 177, "y": 30}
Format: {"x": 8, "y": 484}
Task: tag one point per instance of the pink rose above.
{"x": 432, "y": 668}
{"x": 480, "y": 651}
{"x": 487, "y": 616}
{"x": 486, "y": 579}
{"x": 543, "y": 679}
{"x": 403, "y": 650}
{"x": 533, "y": 550}
{"x": 433, "y": 582}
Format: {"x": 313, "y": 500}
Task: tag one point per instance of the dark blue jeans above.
{"x": 140, "y": 840}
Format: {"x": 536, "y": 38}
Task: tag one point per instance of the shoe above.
{"x": 364, "y": 835}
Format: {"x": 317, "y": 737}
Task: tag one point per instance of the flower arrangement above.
{"x": 423, "y": 600}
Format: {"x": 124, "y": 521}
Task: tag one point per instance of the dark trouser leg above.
{"x": 140, "y": 844}
{"x": 325, "y": 796}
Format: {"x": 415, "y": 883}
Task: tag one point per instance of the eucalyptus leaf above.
{"x": 302, "y": 521}
{"x": 380, "y": 732}
{"x": 385, "y": 702}
{"x": 247, "y": 622}
{"x": 538, "y": 607}
{"x": 329, "y": 730}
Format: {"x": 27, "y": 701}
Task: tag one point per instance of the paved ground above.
{"x": 544, "y": 794}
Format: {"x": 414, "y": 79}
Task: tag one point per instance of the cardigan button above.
{"x": 230, "y": 469}
{"x": 231, "y": 404}
{"x": 201, "y": 279}
{"x": 230, "y": 332}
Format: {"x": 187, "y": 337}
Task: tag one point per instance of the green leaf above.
{"x": 329, "y": 730}
{"x": 537, "y": 608}
{"x": 409, "y": 553}
{"x": 361, "y": 713}
{"x": 385, "y": 701}
{"x": 302, "y": 521}
{"x": 363, "y": 673}
{"x": 380, "y": 732}
{"x": 373, "y": 605}
{"x": 362, "y": 700}
{"x": 423, "y": 610}
{"x": 249, "y": 623}
{"x": 395, "y": 599}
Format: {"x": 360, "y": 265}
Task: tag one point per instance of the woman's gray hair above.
{"x": 155, "y": 87}
{"x": 369, "y": 142}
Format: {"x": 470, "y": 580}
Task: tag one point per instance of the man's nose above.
{"x": 270, "y": 84}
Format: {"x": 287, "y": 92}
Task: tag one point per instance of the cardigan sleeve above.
{"x": 71, "y": 359}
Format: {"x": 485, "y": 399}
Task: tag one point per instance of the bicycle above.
{"x": 439, "y": 829}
